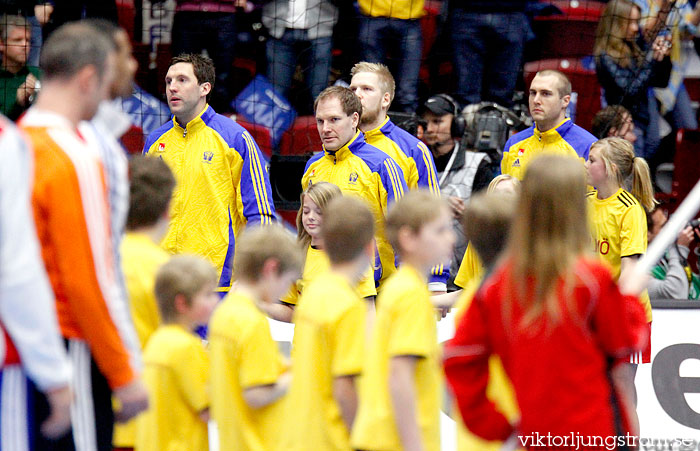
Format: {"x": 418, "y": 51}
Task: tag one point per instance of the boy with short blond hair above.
{"x": 329, "y": 335}
{"x": 400, "y": 392}
{"x": 248, "y": 373}
{"x": 176, "y": 365}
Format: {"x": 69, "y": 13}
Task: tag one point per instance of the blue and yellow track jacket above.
{"x": 364, "y": 171}
{"x": 222, "y": 184}
{"x": 566, "y": 138}
{"x": 416, "y": 162}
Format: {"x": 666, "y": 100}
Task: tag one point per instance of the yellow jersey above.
{"x": 316, "y": 263}
{"x": 405, "y": 325}
{"x": 329, "y": 342}
{"x": 176, "y": 373}
{"x": 364, "y": 171}
{"x": 619, "y": 229}
{"x": 395, "y": 9}
{"x": 471, "y": 269}
{"x": 499, "y": 389}
{"x": 243, "y": 355}
{"x": 141, "y": 259}
{"x": 566, "y": 138}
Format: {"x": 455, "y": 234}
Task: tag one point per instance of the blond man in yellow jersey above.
{"x": 176, "y": 365}
{"x": 151, "y": 187}
{"x": 248, "y": 373}
{"x": 329, "y": 336}
{"x": 374, "y": 85}
{"x": 400, "y": 392}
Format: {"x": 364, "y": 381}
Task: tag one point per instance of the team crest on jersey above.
{"x": 208, "y": 156}
{"x": 516, "y": 163}
{"x": 353, "y": 178}
{"x": 161, "y": 147}
{"x": 521, "y": 151}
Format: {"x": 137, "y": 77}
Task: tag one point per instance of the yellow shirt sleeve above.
{"x": 260, "y": 362}
{"x": 348, "y": 339}
{"x": 292, "y": 296}
{"x": 192, "y": 376}
{"x": 411, "y": 333}
{"x": 633, "y": 232}
{"x": 470, "y": 269}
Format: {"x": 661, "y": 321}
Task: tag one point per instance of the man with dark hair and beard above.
{"x": 374, "y": 85}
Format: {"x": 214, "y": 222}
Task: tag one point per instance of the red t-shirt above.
{"x": 560, "y": 370}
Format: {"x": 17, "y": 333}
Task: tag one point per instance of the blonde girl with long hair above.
{"x": 627, "y": 67}
{"x": 552, "y": 314}
{"x": 309, "y": 221}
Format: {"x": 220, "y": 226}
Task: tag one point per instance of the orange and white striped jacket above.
{"x": 72, "y": 218}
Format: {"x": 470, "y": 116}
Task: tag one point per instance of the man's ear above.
{"x": 270, "y": 268}
{"x": 355, "y": 119}
{"x": 204, "y": 89}
{"x": 88, "y": 78}
{"x": 181, "y": 304}
{"x": 386, "y": 100}
{"x": 565, "y": 101}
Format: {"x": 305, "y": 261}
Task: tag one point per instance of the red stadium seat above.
{"x": 260, "y": 134}
{"x": 126, "y": 13}
{"x": 686, "y": 172}
{"x": 583, "y": 80}
{"x": 570, "y": 35}
{"x": 301, "y": 138}
{"x": 133, "y": 140}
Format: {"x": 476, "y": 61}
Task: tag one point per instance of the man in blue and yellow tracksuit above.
{"x": 553, "y": 132}
{"x": 222, "y": 180}
{"x": 353, "y": 165}
{"x": 374, "y": 85}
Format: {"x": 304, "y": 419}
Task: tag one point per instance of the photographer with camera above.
{"x": 672, "y": 277}
{"x": 460, "y": 172}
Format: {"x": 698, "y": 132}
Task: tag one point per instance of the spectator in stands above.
{"x": 488, "y": 37}
{"x": 223, "y": 183}
{"x": 392, "y": 27}
{"x": 671, "y": 276}
{"x": 628, "y": 68}
{"x": 460, "y": 172}
{"x": 37, "y": 14}
{"x": 614, "y": 121}
{"x": 354, "y": 166}
{"x": 374, "y": 85}
{"x": 291, "y": 24}
{"x": 209, "y": 25}
{"x": 553, "y": 132}
{"x": 18, "y": 81}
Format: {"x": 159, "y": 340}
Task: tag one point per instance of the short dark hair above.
{"x": 72, "y": 47}
{"x": 151, "y": 189}
{"x": 348, "y": 100}
{"x": 202, "y": 66}
{"x": 257, "y": 245}
{"x": 486, "y": 220}
{"x": 612, "y": 116}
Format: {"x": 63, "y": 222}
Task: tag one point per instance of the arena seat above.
{"x": 583, "y": 80}
{"x": 567, "y": 35}
{"x": 302, "y": 137}
{"x": 686, "y": 164}
{"x": 260, "y": 134}
{"x": 133, "y": 140}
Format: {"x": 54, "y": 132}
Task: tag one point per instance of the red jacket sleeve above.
{"x": 467, "y": 372}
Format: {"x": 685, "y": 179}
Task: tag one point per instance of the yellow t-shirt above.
{"x": 317, "y": 262}
{"x": 405, "y": 325}
{"x": 243, "y": 355}
{"x": 499, "y": 389}
{"x": 141, "y": 259}
{"x": 176, "y": 372}
{"x": 329, "y": 342}
{"x": 471, "y": 269}
{"x": 619, "y": 229}
{"x": 396, "y": 9}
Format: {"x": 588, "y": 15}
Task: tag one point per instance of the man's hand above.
{"x": 661, "y": 47}
{"x": 43, "y": 13}
{"x": 133, "y": 398}
{"x": 58, "y": 422}
{"x": 456, "y": 205}
{"x": 685, "y": 237}
{"x": 26, "y": 90}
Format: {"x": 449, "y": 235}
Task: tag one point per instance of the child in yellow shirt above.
{"x": 248, "y": 373}
{"x": 176, "y": 365}
{"x": 401, "y": 388}
{"x": 329, "y": 335}
{"x": 309, "y": 224}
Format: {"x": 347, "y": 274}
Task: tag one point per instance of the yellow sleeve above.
{"x": 411, "y": 331}
{"x": 260, "y": 361}
{"x": 633, "y": 232}
{"x": 292, "y": 296}
{"x": 348, "y": 341}
{"x": 470, "y": 269}
{"x": 192, "y": 376}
